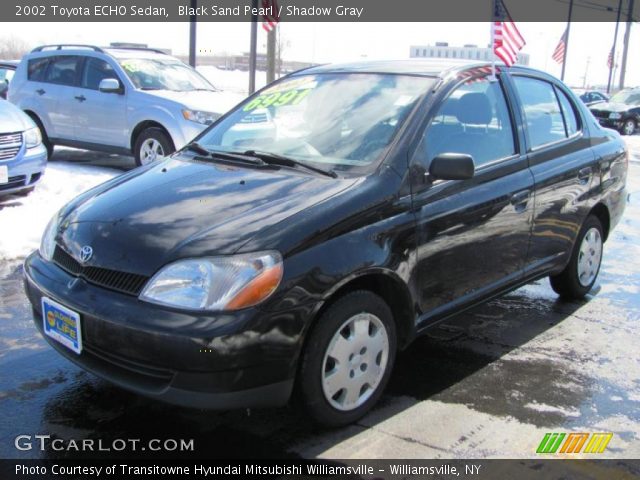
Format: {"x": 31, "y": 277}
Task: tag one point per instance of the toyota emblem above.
{"x": 86, "y": 253}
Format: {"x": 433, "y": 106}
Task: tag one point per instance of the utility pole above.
{"x": 625, "y": 48}
{"x": 613, "y": 49}
{"x": 253, "y": 48}
{"x": 271, "y": 55}
{"x": 192, "y": 34}
{"x": 586, "y": 72}
{"x": 566, "y": 42}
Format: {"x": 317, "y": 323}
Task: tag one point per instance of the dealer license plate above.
{"x": 4, "y": 174}
{"x": 62, "y": 324}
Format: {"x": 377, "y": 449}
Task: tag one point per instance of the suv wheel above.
{"x": 348, "y": 359}
{"x": 628, "y": 127}
{"x": 580, "y": 274}
{"x": 151, "y": 145}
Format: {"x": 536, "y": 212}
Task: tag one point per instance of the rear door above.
{"x": 101, "y": 117}
{"x": 472, "y": 234}
{"x": 563, "y": 166}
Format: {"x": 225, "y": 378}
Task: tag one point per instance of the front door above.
{"x": 472, "y": 234}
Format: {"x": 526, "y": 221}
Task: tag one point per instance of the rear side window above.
{"x": 95, "y": 71}
{"x": 36, "y": 69}
{"x": 63, "y": 70}
{"x": 545, "y": 122}
{"x": 569, "y": 113}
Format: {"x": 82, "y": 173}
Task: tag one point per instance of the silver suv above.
{"x": 118, "y": 100}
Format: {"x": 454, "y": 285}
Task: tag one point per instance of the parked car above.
{"x": 119, "y": 100}
{"x": 390, "y": 196}
{"x": 621, "y": 112}
{"x": 23, "y": 158}
{"x": 591, "y": 97}
{"x": 7, "y": 69}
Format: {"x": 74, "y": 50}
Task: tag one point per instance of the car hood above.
{"x": 611, "y": 107}
{"x": 215, "y": 102}
{"x": 181, "y": 209}
{"x": 12, "y": 119}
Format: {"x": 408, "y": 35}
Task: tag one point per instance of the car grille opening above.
{"x": 14, "y": 182}
{"x": 10, "y": 144}
{"x": 123, "y": 282}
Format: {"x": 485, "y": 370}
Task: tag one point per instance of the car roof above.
{"x": 9, "y": 63}
{"x": 135, "y": 53}
{"x": 122, "y": 52}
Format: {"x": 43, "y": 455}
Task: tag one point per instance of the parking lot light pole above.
{"x": 253, "y": 47}
{"x": 192, "y": 34}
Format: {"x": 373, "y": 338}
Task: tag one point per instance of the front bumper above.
{"x": 221, "y": 361}
{"x": 609, "y": 123}
{"x": 25, "y": 169}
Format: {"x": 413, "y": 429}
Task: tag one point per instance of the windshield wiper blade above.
{"x": 231, "y": 156}
{"x": 275, "y": 159}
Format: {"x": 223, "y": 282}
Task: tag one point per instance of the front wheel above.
{"x": 628, "y": 127}
{"x": 151, "y": 145}
{"x": 348, "y": 359}
{"x": 578, "y": 277}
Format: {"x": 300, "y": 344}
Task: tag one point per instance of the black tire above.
{"x": 567, "y": 283}
{"x": 628, "y": 127}
{"x": 150, "y": 134}
{"x": 309, "y": 383}
{"x": 45, "y": 138}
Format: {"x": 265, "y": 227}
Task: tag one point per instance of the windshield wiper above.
{"x": 275, "y": 159}
{"x": 231, "y": 156}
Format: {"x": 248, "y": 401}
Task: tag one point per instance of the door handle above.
{"x": 80, "y": 98}
{"x": 40, "y": 91}
{"x": 584, "y": 175}
{"x": 519, "y": 200}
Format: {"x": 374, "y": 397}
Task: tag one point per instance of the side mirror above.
{"x": 110, "y": 85}
{"x": 452, "y": 166}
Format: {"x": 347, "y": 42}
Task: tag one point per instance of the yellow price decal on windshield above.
{"x": 277, "y": 99}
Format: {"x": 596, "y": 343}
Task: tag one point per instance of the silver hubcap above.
{"x": 629, "y": 127}
{"x": 355, "y": 361}
{"x": 589, "y": 257}
{"x": 150, "y": 151}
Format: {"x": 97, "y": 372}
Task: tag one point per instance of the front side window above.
{"x": 544, "y": 120}
{"x": 95, "y": 71}
{"x": 163, "y": 74}
{"x": 63, "y": 70}
{"x": 342, "y": 121}
{"x": 473, "y": 120}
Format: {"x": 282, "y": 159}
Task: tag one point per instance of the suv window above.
{"x": 95, "y": 71}
{"x": 545, "y": 122}
{"x": 63, "y": 70}
{"x": 36, "y": 69}
{"x": 475, "y": 120}
{"x": 568, "y": 112}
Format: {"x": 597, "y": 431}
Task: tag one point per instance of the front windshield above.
{"x": 336, "y": 121}
{"x": 163, "y": 74}
{"x": 630, "y": 97}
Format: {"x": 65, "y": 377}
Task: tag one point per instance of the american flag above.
{"x": 270, "y": 21}
{"x": 558, "y": 53}
{"x": 610, "y": 59}
{"x": 507, "y": 40}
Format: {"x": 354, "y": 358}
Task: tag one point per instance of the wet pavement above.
{"x": 489, "y": 383}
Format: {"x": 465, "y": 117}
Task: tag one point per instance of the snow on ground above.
{"x": 23, "y": 219}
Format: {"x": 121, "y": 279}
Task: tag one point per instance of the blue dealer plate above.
{"x": 62, "y": 324}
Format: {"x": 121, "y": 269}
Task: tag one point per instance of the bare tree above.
{"x": 13, "y": 48}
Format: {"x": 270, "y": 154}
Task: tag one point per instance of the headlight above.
{"x": 216, "y": 283}
{"x": 198, "y": 116}
{"x": 32, "y": 137}
{"x": 615, "y": 116}
{"x": 48, "y": 243}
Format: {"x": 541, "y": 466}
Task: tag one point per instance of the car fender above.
{"x": 139, "y": 113}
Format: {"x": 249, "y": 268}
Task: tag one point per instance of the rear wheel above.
{"x": 348, "y": 359}
{"x": 628, "y": 127}
{"x": 151, "y": 145}
{"x": 580, "y": 274}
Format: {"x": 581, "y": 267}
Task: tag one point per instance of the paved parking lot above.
{"x": 489, "y": 383}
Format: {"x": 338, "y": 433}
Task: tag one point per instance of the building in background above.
{"x": 468, "y": 52}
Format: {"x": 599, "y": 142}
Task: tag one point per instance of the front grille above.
{"x": 14, "y": 182}
{"x": 600, "y": 113}
{"x": 10, "y": 144}
{"x": 123, "y": 282}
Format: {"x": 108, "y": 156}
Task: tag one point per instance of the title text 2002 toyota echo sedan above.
{"x": 323, "y": 224}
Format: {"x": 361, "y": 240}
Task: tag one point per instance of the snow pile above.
{"x": 23, "y": 219}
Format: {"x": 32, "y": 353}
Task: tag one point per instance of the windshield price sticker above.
{"x": 277, "y": 99}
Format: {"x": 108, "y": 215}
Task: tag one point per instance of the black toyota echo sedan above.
{"x": 320, "y": 226}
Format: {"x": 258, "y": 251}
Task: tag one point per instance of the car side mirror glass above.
{"x": 452, "y": 166}
{"x": 110, "y": 85}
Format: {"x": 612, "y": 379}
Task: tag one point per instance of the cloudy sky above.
{"x": 336, "y": 42}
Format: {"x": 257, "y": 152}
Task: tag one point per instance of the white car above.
{"x": 120, "y": 100}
